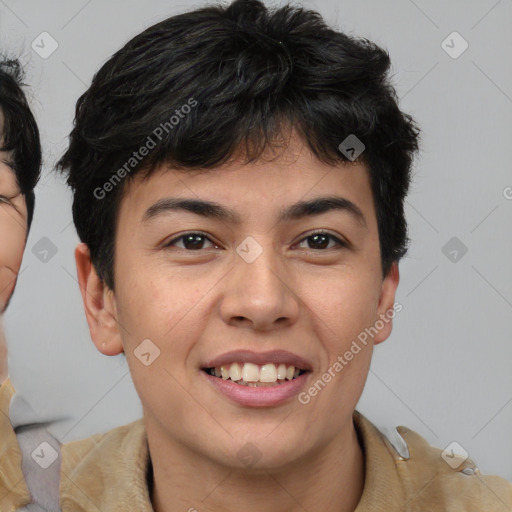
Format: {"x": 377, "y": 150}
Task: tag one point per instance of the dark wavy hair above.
{"x": 254, "y": 72}
{"x": 19, "y": 135}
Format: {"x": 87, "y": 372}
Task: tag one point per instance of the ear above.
{"x": 385, "y": 309}
{"x": 99, "y": 305}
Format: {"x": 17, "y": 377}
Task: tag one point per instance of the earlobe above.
{"x": 99, "y": 305}
{"x": 386, "y": 310}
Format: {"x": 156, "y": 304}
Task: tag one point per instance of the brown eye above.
{"x": 320, "y": 240}
{"x": 191, "y": 241}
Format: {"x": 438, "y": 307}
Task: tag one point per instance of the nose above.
{"x": 260, "y": 294}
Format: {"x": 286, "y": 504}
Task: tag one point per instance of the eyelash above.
{"x": 340, "y": 243}
{"x": 9, "y": 199}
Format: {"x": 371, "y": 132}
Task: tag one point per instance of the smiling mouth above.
{"x": 253, "y": 375}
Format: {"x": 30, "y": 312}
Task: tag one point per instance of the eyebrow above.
{"x": 217, "y": 211}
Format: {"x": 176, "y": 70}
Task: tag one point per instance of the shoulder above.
{"x": 404, "y": 472}
{"x": 13, "y": 489}
{"x": 440, "y": 477}
{"x": 122, "y": 442}
{"x": 108, "y": 469}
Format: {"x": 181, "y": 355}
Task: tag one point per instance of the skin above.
{"x": 13, "y": 232}
{"x": 195, "y": 304}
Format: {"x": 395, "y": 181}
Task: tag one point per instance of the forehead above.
{"x": 295, "y": 174}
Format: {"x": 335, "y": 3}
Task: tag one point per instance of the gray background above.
{"x": 446, "y": 370}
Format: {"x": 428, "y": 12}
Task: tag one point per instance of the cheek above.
{"x": 12, "y": 245}
{"x": 164, "y": 311}
{"x": 345, "y": 304}
{"x": 344, "y": 308}
{"x": 154, "y": 305}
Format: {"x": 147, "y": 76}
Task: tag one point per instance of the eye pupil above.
{"x": 322, "y": 244}
{"x": 197, "y": 241}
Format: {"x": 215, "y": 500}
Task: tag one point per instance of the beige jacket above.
{"x": 107, "y": 472}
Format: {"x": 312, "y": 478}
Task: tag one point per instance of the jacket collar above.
{"x": 120, "y": 460}
{"x": 382, "y": 489}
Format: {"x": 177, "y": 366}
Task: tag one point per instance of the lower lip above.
{"x": 252, "y": 396}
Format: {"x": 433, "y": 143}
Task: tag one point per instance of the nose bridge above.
{"x": 259, "y": 290}
{"x": 258, "y": 264}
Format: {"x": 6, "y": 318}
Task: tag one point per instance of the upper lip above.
{"x": 248, "y": 356}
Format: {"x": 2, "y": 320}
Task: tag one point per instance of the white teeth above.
{"x": 234, "y": 372}
{"x": 268, "y": 373}
{"x": 254, "y": 375}
{"x": 281, "y": 372}
{"x": 250, "y": 372}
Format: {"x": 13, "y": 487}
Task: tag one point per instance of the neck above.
{"x": 330, "y": 480}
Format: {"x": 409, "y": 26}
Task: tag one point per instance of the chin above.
{"x": 262, "y": 452}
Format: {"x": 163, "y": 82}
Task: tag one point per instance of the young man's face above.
{"x": 13, "y": 230}
{"x": 197, "y": 300}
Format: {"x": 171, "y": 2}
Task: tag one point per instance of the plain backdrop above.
{"x": 445, "y": 372}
